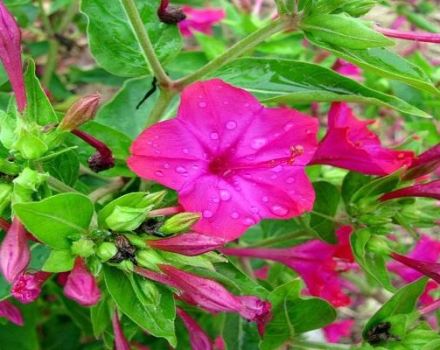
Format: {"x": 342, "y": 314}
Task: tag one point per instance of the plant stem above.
{"x": 101, "y": 192}
{"x": 4, "y": 225}
{"x": 68, "y": 16}
{"x": 309, "y": 345}
{"x": 238, "y": 49}
{"x": 160, "y": 107}
{"x": 145, "y": 42}
{"x": 58, "y": 185}
{"x": 165, "y": 211}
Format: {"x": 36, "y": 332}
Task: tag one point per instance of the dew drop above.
{"x": 214, "y": 136}
{"x": 207, "y": 214}
{"x": 278, "y": 168}
{"x": 290, "y": 180}
{"x": 254, "y": 209}
{"x": 279, "y": 210}
{"x": 180, "y": 170}
{"x": 235, "y": 215}
{"x": 185, "y": 150}
{"x": 231, "y": 125}
{"x": 258, "y": 143}
{"x": 166, "y": 166}
{"x": 265, "y": 199}
{"x": 248, "y": 221}
{"x": 225, "y": 195}
{"x": 159, "y": 173}
{"x": 288, "y": 126}
{"x": 202, "y": 104}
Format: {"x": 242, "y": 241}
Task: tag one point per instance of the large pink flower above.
{"x": 349, "y": 144}
{"x": 200, "y": 20}
{"x": 230, "y": 158}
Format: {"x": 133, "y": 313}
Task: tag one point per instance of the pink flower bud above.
{"x": 121, "y": 342}
{"x": 27, "y": 287}
{"x": 14, "y": 251}
{"x": 11, "y": 313}
{"x": 426, "y": 268}
{"x": 428, "y": 190}
{"x": 188, "y": 244}
{"x": 10, "y": 54}
{"x": 80, "y": 112}
{"x": 424, "y": 164}
{"x": 198, "y": 338}
{"x": 81, "y": 285}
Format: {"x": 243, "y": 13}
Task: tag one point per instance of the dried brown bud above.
{"x": 80, "y": 112}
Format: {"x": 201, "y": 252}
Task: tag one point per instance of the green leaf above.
{"x": 372, "y": 263}
{"x": 344, "y": 31}
{"x": 293, "y": 315}
{"x": 59, "y": 261}
{"x": 155, "y": 315}
{"x": 288, "y": 81}
{"x": 54, "y": 219}
{"x": 100, "y": 316}
{"x": 5, "y": 287}
{"x": 376, "y": 187}
{"x": 351, "y": 184}
{"x": 326, "y": 203}
{"x": 402, "y": 302}
{"x": 38, "y": 107}
{"x": 113, "y": 42}
{"x": 239, "y": 334}
{"x": 385, "y": 63}
{"x": 64, "y": 167}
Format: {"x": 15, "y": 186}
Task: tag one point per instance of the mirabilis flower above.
{"x": 349, "y": 144}
{"x": 200, "y": 20}
{"x": 424, "y": 163}
{"x": 230, "y": 158}
{"x": 27, "y": 287}
{"x": 318, "y": 263}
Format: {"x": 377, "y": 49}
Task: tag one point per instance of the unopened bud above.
{"x": 155, "y": 198}
{"x": 378, "y": 245}
{"x": 126, "y": 218}
{"x": 101, "y": 161}
{"x": 80, "y": 112}
{"x": 83, "y": 247}
{"x": 106, "y": 251}
{"x": 181, "y": 222}
{"x": 149, "y": 259}
{"x": 170, "y": 14}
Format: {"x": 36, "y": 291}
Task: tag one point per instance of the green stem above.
{"x": 110, "y": 188}
{"x": 53, "y": 47}
{"x": 68, "y": 16}
{"x": 309, "y": 345}
{"x": 327, "y": 217}
{"x": 145, "y": 42}
{"x": 238, "y": 49}
{"x": 160, "y": 107}
{"x": 58, "y": 185}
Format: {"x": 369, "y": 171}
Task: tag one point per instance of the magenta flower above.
{"x": 10, "y": 54}
{"x": 424, "y": 164}
{"x": 348, "y": 69}
{"x": 414, "y": 36}
{"x": 210, "y": 295}
{"x": 27, "y": 287}
{"x": 349, "y": 144}
{"x": 198, "y": 338}
{"x": 426, "y": 268}
{"x": 337, "y": 330}
{"x": 188, "y": 244}
{"x": 229, "y": 158}
{"x": 428, "y": 190}
{"x": 200, "y": 20}
{"x": 11, "y": 313}
{"x": 318, "y": 264}
{"x": 14, "y": 251}
{"x": 121, "y": 342}
{"x": 81, "y": 285}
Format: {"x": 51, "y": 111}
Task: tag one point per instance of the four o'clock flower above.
{"x": 428, "y": 190}
{"x": 424, "y": 164}
{"x": 349, "y": 144}
{"x": 200, "y": 20}
{"x": 11, "y": 313}
{"x": 121, "y": 343}
{"x": 210, "y": 295}
{"x": 14, "y": 251}
{"x": 198, "y": 338}
{"x": 10, "y": 54}
{"x": 318, "y": 263}
{"x": 27, "y": 287}
{"x": 81, "y": 285}
{"x": 230, "y": 158}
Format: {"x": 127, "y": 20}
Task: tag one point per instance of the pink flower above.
{"x": 210, "y": 295}
{"x": 10, "y": 54}
{"x": 198, "y": 338}
{"x": 424, "y": 164}
{"x": 81, "y": 285}
{"x": 14, "y": 251}
{"x": 230, "y": 158}
{"x": 188, "y": 244}
{"x": 27, "y": 287}
{"x": 121, "y": 342}
{"x": 349, "y": 144}
{"x": 337, "y": 330}
{"x": 348, "y": 69}
{"x": 318, "y": 263}
{"x": 11, "y": 313}
{"x": 428, "y": 190}
{"x": 200, "y": 20}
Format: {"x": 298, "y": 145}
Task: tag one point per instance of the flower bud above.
{"x": 126, "y": 218}
{"x": 170, "y": 14}
{"x": 27, "y": 287}
{"x": 81, "y": 285}
{"x": 149, "y": 259}
{"x": 106, "y": 251}
{"x": 83, "y": 247}
{"x": 80, "y": 112}
{"x": 121, "y": 342}
{"x": 8, "y": 168}
{"x": 198, "y": 338}
{"x": 9, "y": 311}
{"x": 379, "y": 245}
{"x": 101, "y": 161}
{"x": 181, "y": 222}
{"x": 358, "y": 8}
{"x": 424, "y": 164}
{"x": 155, "y": 198}
{"x": 188, "y": 244}
{"x": 14, "y": 251}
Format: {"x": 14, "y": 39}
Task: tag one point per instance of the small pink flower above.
{"x": 348, "y": 69}
{"x": 10, "y": 54}
{"x": 11, "y": 313}
{"x": 81, "y": 285}
{"x": 428, "y": 190}
{"x": 121, "y": 342}
{"x": 188, "y": 244}
{"x": 424, "y": 164}
{"x": 27, "y": 287}
{"x": 230, "y": 158}
{"x": 349, "y": 144}
{"x": 318, "y": 263}
{"x": 14, "y": 251}
{"x": 198, "y": 338}
{"x": 337, "y": 330}
{"x": 210, "y": 295}
{"x": 200, "y": 20}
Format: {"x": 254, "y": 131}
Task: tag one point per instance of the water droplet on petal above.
{"x": 180, "y": 170}
{"x": 278, "y": 168}
{"x": 235, "y": 215}
{"x": 202, "y": 104}
{"x": 279, "y": 210}
{"x": 159, "y": 173}
{"x": 225, "y": 195}
{"x": 254, "y": 209}
{"x": 265, "y": 199}
{"x": 185, "y": 150}
{"x": 258, "y": 143}
{"x": 207, "y": 214}
{"x": 166, "y": 166}
{"x": 288, "y": 126}
{"x": 214, "y": 136}
{"x": 231, "y": 125}
{"x": 248, "y": 221}
{"x": 290, "y": 180}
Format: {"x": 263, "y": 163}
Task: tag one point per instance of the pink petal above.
{"x": 198, "y": 338}
{"x": 121, "y": 342}
{"x": 200, "y": 20}
{"x": 11, "y": 313}
{"x": 337, "y": 330}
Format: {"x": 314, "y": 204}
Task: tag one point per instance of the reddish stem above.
{"x": 100, "y": 146}
{"x": 4, "y": 225}
{"x": 431, "y": 307}
{"x": 415, "y": 36}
